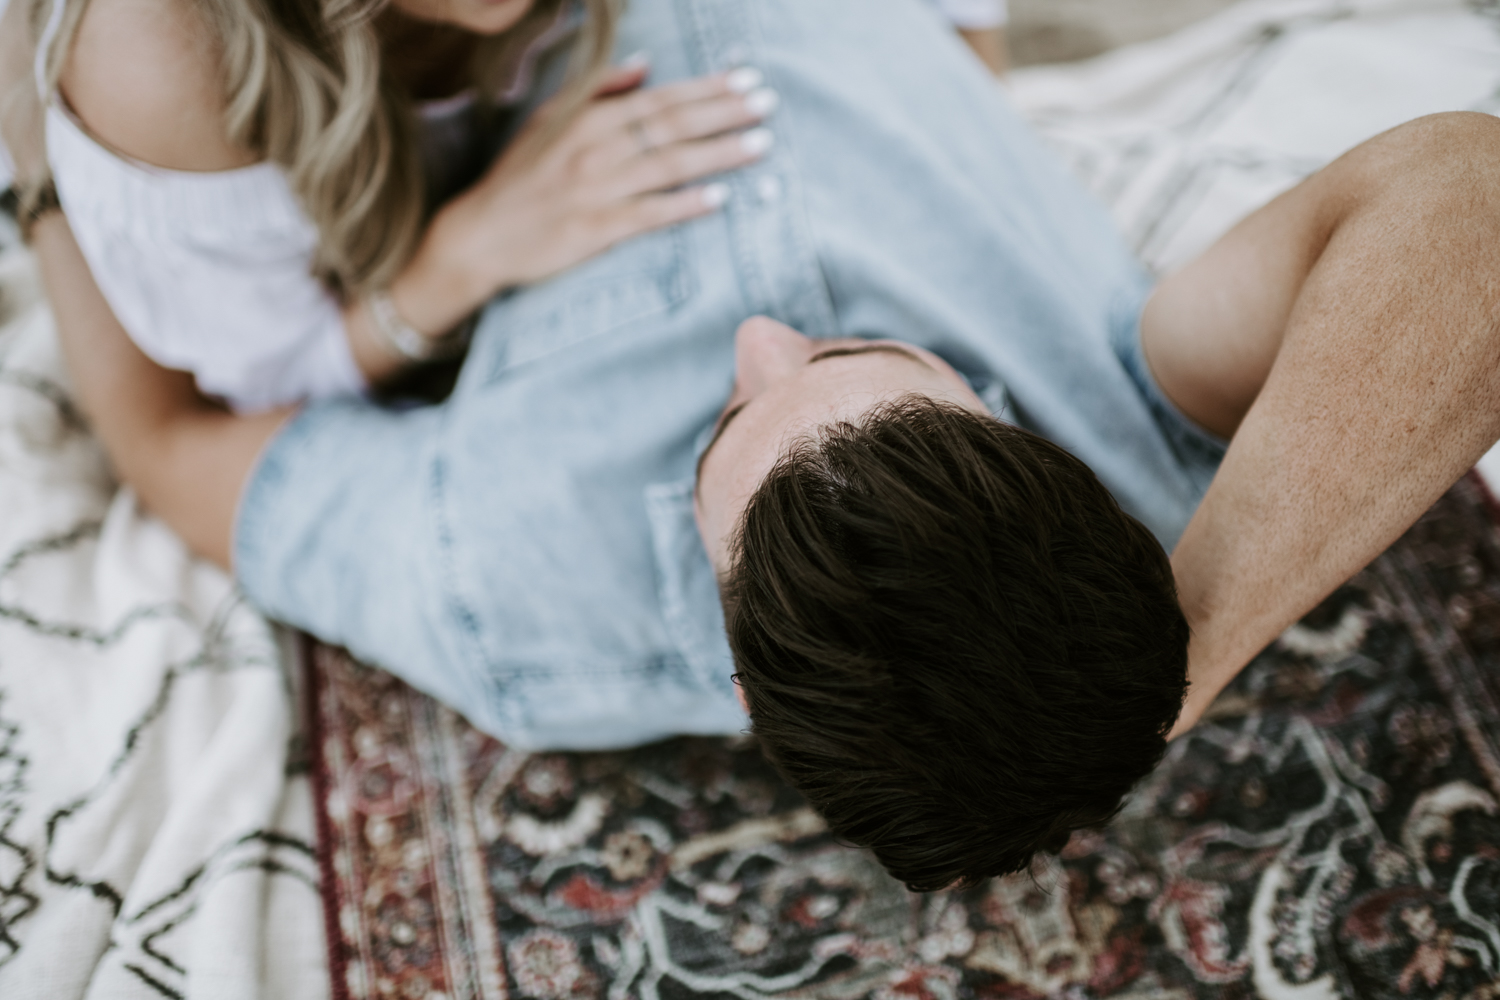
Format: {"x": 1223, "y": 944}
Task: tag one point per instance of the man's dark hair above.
{"x": 952, "y": 640}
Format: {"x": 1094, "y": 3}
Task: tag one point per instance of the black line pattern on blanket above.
{"x": 210, "y": 655}
{"x": 140, "y": 942}
{"x": 214, "y": 654}
{"x": 154, "y": 983}
{"x": 87, "y": 531}
{"x": 269, "y": 838}
{"x": 302, "y": 866}
{"x": 276, "y": 853}
{"x": 101, "y": 889}
{"x": 267, "y": 864}
{"x": 16, "y": 903}
{"x": 52, "y": 392}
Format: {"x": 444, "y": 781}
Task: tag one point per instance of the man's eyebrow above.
{"x": 847, "y": 352}
{"x": 832, "y": 352}
{"x": 718, "y": 432}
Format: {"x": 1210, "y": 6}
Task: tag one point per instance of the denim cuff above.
{"x": 1197, "y": 449}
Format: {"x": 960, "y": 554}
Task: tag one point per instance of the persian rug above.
{"x": 1332, "y": 830}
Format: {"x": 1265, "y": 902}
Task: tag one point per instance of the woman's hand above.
{"x": 553, "y": 201}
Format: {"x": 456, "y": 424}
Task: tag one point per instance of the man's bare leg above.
{"x": 1348, "y": 335}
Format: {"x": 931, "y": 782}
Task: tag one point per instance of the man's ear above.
{"x": 739, "y": 694}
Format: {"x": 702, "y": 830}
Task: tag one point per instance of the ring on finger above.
{"x": 638, "y": 131}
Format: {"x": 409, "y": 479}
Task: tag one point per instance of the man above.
{"x": 528, "y": 553}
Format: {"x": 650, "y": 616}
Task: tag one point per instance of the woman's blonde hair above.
{"x": 305, "y": 89}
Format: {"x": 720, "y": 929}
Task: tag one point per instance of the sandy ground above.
{"x": 1061, "y": 30}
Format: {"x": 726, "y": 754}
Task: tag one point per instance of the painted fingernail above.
{"x": 715, "y": 195}
{"x": 762, "y": 102}
{"x": 636, "y": 60}
{"x": 744, "y": 80}
{"x": 757, "y": 141}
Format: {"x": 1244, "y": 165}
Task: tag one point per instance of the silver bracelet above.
{"x": 396, "y": 334}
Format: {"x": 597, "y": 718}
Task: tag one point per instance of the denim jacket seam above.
{"x": 266, "y": 475}
{"x": 485, "y": 680}
{"x": 1183, "y": 432}
{"x": 669, "y": 277}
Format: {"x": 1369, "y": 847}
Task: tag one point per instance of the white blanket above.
{"x": 155, "y": 835}
{"x": 155, "y": 830}
{"x": 1184, "y": 136}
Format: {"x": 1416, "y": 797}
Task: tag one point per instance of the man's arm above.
{"x": 186, "y": 458}
{"x": 1348, "y": 336}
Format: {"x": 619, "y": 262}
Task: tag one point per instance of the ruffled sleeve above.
{"x": 208, "y": 272}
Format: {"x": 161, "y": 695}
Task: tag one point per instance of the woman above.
{"x": 247, "y": 183}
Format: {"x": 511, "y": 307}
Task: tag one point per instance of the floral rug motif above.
{"x": 1332, "y": 830}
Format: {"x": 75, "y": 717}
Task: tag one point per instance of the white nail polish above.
{"x": 757, "y": 141}
{"x": 762, "y": 102}
{"x": 744, "y": 80}
{"x": 636, "y": 60}
{"x": 715, "y": 195}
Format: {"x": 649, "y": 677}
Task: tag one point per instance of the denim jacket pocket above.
{"x": 639, "y": 279}
{"x": 688, "y": 591}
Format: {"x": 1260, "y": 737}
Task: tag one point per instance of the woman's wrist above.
{"x": 407, "y": 321}
{"x": 449, "y": 277}
{"x": 436, "y": 290}
{"x": 399, "y": 338}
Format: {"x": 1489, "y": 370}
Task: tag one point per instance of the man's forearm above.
{"x": 186, "y": 458}
{"x": 1385, "y": 386}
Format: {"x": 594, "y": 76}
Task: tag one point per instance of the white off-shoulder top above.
{"x": 210, "y": 272}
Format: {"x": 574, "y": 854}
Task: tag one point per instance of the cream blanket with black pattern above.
{"x": 155, "y": 831}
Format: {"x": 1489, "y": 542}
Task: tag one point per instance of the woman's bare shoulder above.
{"x": 143, "y": 77}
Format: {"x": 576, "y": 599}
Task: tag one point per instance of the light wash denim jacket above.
{"x": 526, "y": 552}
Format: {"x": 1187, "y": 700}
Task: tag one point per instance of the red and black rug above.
{"x": 1333, "y": 830}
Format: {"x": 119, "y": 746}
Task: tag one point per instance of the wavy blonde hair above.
{"x": 304, "y": 87}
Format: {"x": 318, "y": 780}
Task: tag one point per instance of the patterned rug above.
{"x": 1333, "y": 830}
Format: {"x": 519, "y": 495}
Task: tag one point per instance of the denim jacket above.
{"x": 526, "y": 552}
